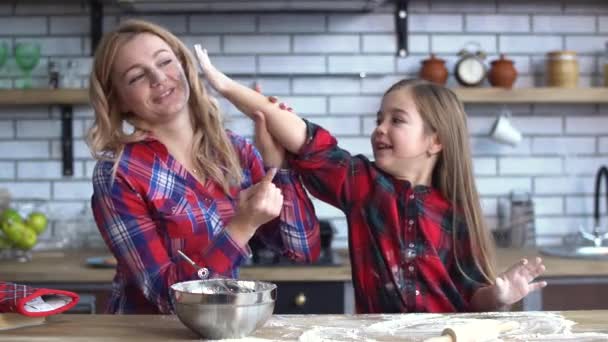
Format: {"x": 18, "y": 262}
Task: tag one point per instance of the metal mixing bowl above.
{"x": 224, "y": 308}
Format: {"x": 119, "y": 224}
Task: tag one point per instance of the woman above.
{"x": 179, "y": 180}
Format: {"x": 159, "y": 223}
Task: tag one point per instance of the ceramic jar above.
{"x": 562, "y": 69}
{"x": 502, "y": 73}
{"x": 434, "y": 70}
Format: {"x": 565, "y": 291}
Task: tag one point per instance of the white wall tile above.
{"x": 603, "y": 24}
{"x": 174, "y": 23}
{"x": 529, "y": 44}
{"x": 566, "y": 24}
{"x": 603, "y": 145}
{"x": 23, "y": 149}
{"x": 587, "y": 125}
{"x": 6, "y": 129}
{"x": 358, "y": 64}
{"x": 28, "y": 190}
{"x": 306, "y": 104}
{"x": 235, "y": 64}
{"x": 38, "y": 129}
{"x": 23, "y": 26}
{"x": 326, "y": 43}
{"x": 7, "y": 170}
{"x": 537, "y": 125}
{"x": 72, "y": 190}
{"x": 455, "y": 43}
{"x": 378, "y": 85}
{"x": 526, "y": 6}
{"x": 211, "y": 43}
{"x": 463, "y": 6}
{"x": 585, "y": 165}
{"x": 530, "y": 166}
{"x": 270, "y": 85}
{"x": 583, "y": 7}
{"x": 70, "y": 24}
{"x": 548, "y": 205}
{"x": 292, "y": 23}
{"x": 419, "y": 43}
{"x": 558, "y": 225}
{"x": 583, "y": 205}
{"x": 43, "y": 170}
{"x": 340, "y": 126}
{"x": 360, "y": 105}
{"x": 57, "y": 46}
{"x": 586, "y": 44}
{"x": 487, "y": 147}
{"x": 326, "y": 85}
{"x": 485, "y": 166}
{"x": 214, "y": 23}
{"x": 434, "y": 23}
{"x": 361, "y": 23}
{"x": 562, "y": 185}
{"x": 373, "y": 43}
{"x": 502, "y": 185}
{"x": 241, "y": 126}
{"x": 256, "y": 44}
{"x": 497, "y": 23}
{"x": 292, "y": 64}
{"x": 563, "y": 145}
{"x": 31, "y": 7}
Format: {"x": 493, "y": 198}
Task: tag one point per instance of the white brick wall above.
{"x": 313, "y": 60}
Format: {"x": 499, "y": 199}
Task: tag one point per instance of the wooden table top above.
{"x": 69, "y": 267}
{"x": 533, "y": 326}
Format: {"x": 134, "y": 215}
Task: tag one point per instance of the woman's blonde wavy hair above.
{"x": 213, "y": 153}
{"x": 443, "y": 113}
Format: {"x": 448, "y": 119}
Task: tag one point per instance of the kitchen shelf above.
{"x": 44, "y": 97}
{"x": 532, "y": 95}
{"x": 467, "y": 95}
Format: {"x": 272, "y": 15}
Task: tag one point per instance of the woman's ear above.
{"x": 435, "y": 145}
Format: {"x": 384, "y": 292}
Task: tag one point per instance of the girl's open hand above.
{"x": 518, "y": 281}
{"x": 216, "y": 78}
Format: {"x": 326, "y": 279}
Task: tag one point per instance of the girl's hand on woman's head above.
{"x": 518, "y": 281}
{"x": 257, "y": 205}
{"x": 216, "y": 78}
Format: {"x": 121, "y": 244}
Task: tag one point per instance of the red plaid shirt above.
{"x": 400, "y": 237}
{"x": 154, "y": 207}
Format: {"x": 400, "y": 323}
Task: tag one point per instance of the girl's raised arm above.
{"x": 286, "y": 127}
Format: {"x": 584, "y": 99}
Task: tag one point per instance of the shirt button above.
{"x": 412, "y": 196}
{"x": 411, "y": 268}
{"x": 410, "y": 222}
{"x": 412, "y": 245}
{"x": 417, "y": 293}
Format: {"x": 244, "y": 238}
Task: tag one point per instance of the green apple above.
{"x": 4, "y": 243}
{"x": 13, "y": 231}
{"x": 9, "y": 216}
{"x": 37, "y": 222}
{"x": 28, "y": 239}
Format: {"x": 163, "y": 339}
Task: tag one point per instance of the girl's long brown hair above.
{"x": 443, "y": 114}
{"x": 213, "y": 153}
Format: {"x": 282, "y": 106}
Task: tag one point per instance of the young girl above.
{"x": 416, "y": 235}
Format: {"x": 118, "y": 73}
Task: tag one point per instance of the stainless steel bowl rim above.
{"x": 182, "y": 293}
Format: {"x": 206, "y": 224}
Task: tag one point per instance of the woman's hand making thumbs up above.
{"x": 257, "y": 205}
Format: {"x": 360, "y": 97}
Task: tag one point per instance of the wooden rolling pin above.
{"x": 481, "y": 330}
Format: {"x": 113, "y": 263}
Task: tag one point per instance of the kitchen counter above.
{"x": 69, "y": 267}
{"x": 533, "y": 326}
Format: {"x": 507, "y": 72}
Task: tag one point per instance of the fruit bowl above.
{"x": 19, "y": 234}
